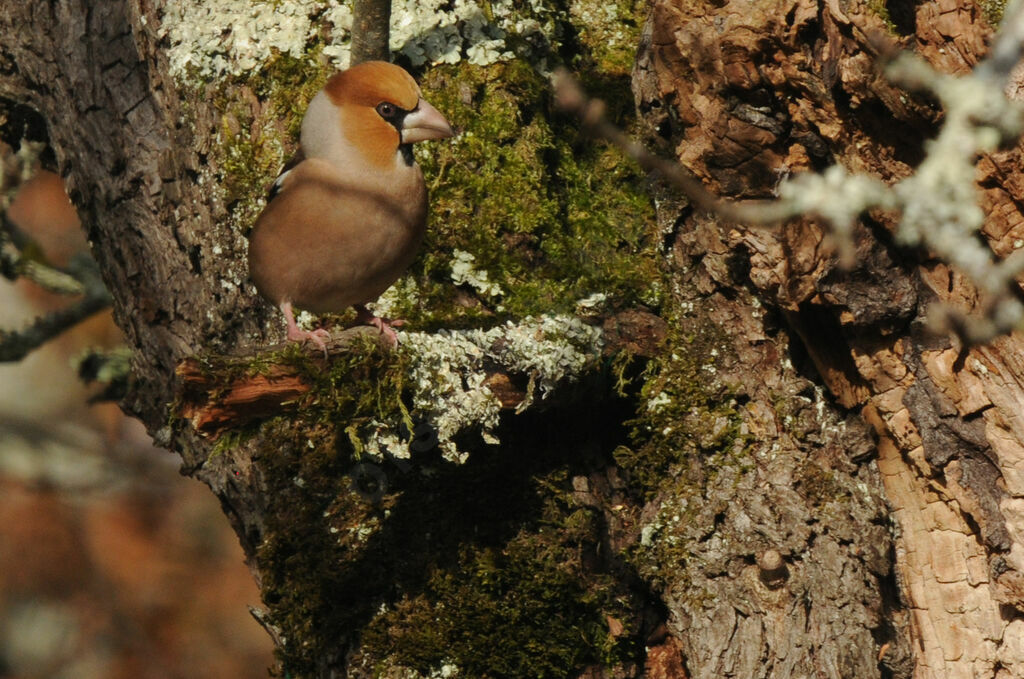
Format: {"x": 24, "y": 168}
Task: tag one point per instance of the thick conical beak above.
{"x": 425, "y": 122}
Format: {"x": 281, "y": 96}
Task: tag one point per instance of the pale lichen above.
{"x": 231, "y": 37}
{"x": 448, "y": 379}
{"x": 213, "y": 40}
{"x": 465, "y": 272}
{"x": 404, "y": 290}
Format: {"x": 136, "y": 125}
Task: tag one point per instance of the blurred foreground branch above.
{"x": 22, "y": 257}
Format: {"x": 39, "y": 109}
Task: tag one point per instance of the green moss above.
{"x": 688, "y": 440}
{"x": 685, "y": 413}
{"x": 993, "y": 10}
{"x": 259, "y": 128}
{"x": 549, "y": 215}
{"x": 488, "y": 565}
{"x": 881, "y": 9}
{"x": 527, "y": 607}
{"x": 608, "y": 33}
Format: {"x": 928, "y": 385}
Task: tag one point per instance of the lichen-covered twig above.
{"x": 109, "y": 367}
{"x": 938, "y": 203}
{"x": 15, "y": 263}
{"x": 16, "y": 345}
{"x": 80, "y": 278}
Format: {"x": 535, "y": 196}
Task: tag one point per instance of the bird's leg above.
{"x": 386, "y": 326}
{"x": 318, "y": 337}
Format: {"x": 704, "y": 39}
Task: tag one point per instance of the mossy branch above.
{"x": 14, "y": 346}
{"x": 221, "y": 394}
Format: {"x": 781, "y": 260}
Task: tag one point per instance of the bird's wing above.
{"x": 275, "y": 188}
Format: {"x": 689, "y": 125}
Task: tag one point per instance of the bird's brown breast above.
{"x": 328, "y": 241}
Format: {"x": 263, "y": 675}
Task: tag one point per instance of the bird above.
{"x": 346, "y": 216}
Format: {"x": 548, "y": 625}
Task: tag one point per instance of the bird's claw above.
{"x": 387, "y": 329}
{"x": 319, "y": 337}
{"x": 386, "y": 326}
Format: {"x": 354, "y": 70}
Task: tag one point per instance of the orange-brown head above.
{"x": 376, "y": 107}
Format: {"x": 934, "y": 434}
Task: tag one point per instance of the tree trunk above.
{"x": 723, "y": 516}
{"x": 747, "y": 94}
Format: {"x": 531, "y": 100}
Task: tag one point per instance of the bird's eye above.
{"x": 386, "y": 110}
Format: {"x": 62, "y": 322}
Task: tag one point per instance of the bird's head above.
{"x": 376, "y": 108}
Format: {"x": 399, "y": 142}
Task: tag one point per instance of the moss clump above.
{"x": 881, "y": 9}
{"x": 530, "y": 605}
{"x": 259, "y": 128}
{"x": 687, "y": 418}
{"x": 549, "y": 215}
{"x": 489, "y": 565}
{"x": 321, "y": 554}
{"x": 608, "y": 32}
{"x": 993, "y": 10}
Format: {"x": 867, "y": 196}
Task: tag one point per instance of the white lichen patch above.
{"x": 384, "y": 442}
{"x": 603, "y": 21}
{"x": 592, "y": 305}
{"x": 659, "y": 402}
{"x": 231, "y": 37}
{"x": 212, "y": 39}
{"x": 404, "y": 290}
{"x": 464, "y": 272}
{"x": 448, "y": 374}
{"x": 305, "y": 320}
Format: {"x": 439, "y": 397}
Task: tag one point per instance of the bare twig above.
{"x": 80, "y": 278}
{"x": 591, "y": 112}
{"x": 371, "y": 27}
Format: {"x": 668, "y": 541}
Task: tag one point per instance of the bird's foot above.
{"x": 386, "y": 326}
{"x": 387, "y": 329}
{"x": 319, "y": 337}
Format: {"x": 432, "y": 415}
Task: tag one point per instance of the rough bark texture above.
{"x": 780, "y": 540}
{"x": 370, "y": 26}
{"x": 749, "y": 92}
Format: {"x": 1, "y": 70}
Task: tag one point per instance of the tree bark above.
{"x": 746, "y": 93}
{"x": 371, "y": 25}
{"x": 762, "y": 528}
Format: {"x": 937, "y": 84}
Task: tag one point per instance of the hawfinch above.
{"x": 348, "y": 213}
